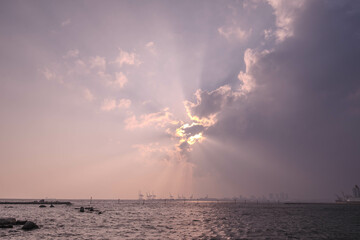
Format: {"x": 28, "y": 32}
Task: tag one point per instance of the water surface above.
{"x": 185, "y": 220}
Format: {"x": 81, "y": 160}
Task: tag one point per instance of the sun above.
{"x": 186, "y": 137}
{"x": 196, "y": 138}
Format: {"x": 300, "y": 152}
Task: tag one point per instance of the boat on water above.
{"x": 351, "y": 199}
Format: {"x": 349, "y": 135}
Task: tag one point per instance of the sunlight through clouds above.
{"x": 238, "y": 91}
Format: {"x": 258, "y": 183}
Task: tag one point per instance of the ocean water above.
{"x": 185, "y": 220}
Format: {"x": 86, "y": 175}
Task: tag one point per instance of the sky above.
{"x": 220, "y": 98}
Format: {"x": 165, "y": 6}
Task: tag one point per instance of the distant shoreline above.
{"x": 38, "y": 202}
{"x": 68, "y": 201}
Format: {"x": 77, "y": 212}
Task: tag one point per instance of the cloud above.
{"x": 251, "y": 57}
{"x": 188, "y": 130}
{"x": 79, "y": 73}
{"x": 129, "y": 58}
{"x": 251, "y": 4}
{"x": 203, "y": 114}
{"x": 51, "y": 75}
{"x": 120, "y": 79}
{"x": 296, "y": 109}
{"x": 48, "y": 74}
{"x": 268, "y": 34}
{"x": 98, "y": 62}
{"x": 66, "y": 22}
{"x": 188, "y": 134}
{"x": 124, "y": 103}
{"x": 105, "y": 77}
{"x": 72, "y": 53}
{"x": 150, "y": 46}
{"x": 162, "y": 119}
{"x": 110, "y": 104}
{"x": 234, "y": 33}
{"x": 88, "y": 95}
{"x": 209, "y": 104}
{"x": 285, "y": 12}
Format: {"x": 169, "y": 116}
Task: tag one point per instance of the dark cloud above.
{"x": 298, "y": 130}
{"x": 210, "y": 103}
{"x": 192, "y": 130}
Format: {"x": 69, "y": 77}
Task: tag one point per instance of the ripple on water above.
{"x": 175, "y": 220}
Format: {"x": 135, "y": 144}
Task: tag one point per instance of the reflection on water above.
{"x": 189, "y": 220}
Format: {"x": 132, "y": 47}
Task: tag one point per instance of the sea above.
{"x": 160, "y": 219}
